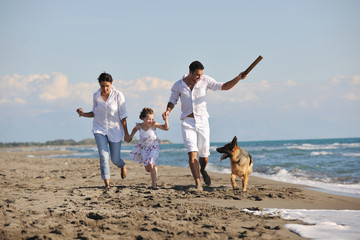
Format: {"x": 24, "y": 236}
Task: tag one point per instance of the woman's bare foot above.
{"x": 123, "y": 172}
{"x": 107, "y": 183}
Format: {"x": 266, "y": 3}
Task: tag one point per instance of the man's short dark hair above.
{"x": 196, "y": 65}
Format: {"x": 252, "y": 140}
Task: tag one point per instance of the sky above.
{"x": 307, "y": 85}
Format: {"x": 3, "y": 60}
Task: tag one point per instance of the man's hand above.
{"x": 230, "y": 84}
{"x": 242, "y": 76}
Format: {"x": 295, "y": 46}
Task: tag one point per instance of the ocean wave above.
{"x": 213, "y": 148}
{"x": 321, "y": 224}
{"x": 322, "y": 153}
{"x": 309, "y": 146}
{"x": 175, "y": 150}
{"x": 351, "y": 154}
{"x": 82, "y": 148}
{"x": 347, "y": 145}
{"x": 218, "y": 169}
{"x": 301, "y": 177}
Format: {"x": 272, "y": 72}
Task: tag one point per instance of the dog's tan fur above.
{"x": 240, "y": 160}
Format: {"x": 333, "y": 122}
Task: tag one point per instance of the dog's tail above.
{"x": 251, "y": 160}
{"x": 251, "y": 164}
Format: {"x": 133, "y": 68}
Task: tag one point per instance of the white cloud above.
{"x": 348, "y": 87}
{"x": 41, "y": 96}
{"x": 304, "y": 104}
{"x": 39, "y": 93}
{"x": 20, "y": 101}
{"x": 56, "y": 89}
{"x": 291, "y": 83}
{"x": 247, "y": 97}
{"x": 247, "y": 91}
{"x": 265, "y": 84}
{"x": 351, "y": 97}
{"x": 337, "y": 79}
{"x": 353, "y": 80}
{"x": 13, "y": 88}
{"x": 45, "y": 89}
{"x": 83, "y": 91}
{"x": 356, "y": 80}
{"x": 133, "y": 87}
{"x": 19, "y": 89}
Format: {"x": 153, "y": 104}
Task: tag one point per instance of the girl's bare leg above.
{"x": 154, "y": 176}
{"x": 153, "y": 173}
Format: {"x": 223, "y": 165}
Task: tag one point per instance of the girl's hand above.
{"x": 127, "y": 138}
{"x": 165, "y": 115}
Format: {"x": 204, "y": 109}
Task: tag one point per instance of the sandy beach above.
{"x": 47, "y": 198}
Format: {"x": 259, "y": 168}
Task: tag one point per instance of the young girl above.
{"x": 146, "y": 151}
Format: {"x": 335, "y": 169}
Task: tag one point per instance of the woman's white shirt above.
{"x": 108, "y": 115}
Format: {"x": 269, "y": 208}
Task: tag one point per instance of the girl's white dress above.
{"x": 146, "y": 151}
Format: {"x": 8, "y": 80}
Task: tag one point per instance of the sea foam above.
{"x": 325, "y": 224}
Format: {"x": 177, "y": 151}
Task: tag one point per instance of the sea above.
{"x": 327, "y": 165}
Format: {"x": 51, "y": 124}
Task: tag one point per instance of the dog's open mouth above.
{"x": 225, "y": 155}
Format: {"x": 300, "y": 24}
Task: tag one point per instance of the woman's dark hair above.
{"x": 105, "y": 77}
{"x": 196, "y": 65}
{"x": 145, "y": 112}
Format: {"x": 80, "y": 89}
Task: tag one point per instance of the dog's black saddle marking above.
{"x": 250, "y": 162}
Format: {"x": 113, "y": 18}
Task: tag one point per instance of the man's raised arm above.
{"x": 230, "y": 84}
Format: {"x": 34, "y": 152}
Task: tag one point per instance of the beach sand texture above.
{"x": 47, "y": 198}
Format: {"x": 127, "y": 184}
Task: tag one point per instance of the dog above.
{"x": 240, "y": 160}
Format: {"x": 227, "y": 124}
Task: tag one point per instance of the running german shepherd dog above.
{"x": 240, "y": 160}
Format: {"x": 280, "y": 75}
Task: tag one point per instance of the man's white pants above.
{"x": 196, "y": 136}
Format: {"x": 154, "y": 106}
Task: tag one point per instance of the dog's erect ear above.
{"x": 234, "y": 141}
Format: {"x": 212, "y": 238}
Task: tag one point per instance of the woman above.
{"x": 109, "y": 125}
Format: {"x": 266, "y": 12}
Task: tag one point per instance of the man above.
{"x": 191, "y": 89}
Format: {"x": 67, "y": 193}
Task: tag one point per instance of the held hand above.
{"x": 166, "y": 114}
{"x": 127, "y": 138}
{"x": 79, "y": 111}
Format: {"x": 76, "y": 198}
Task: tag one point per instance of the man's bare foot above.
{"x": 206, "y": 177}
